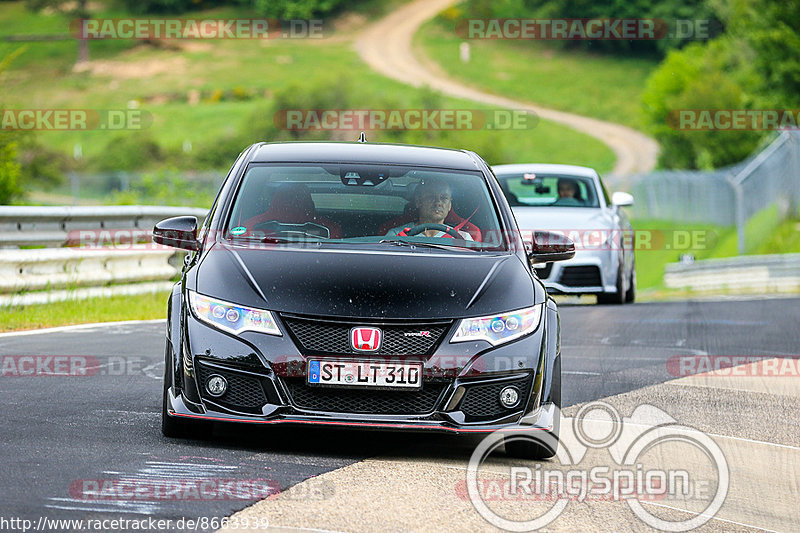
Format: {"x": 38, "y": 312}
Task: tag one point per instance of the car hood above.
{"x": 367, "y": 284}
{"x": 561, "y": 218}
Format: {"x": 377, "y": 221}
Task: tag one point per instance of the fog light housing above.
{"x": 509, "y": 397}
{"x": 216, "y": 385}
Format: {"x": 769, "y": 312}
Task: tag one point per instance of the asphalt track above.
{"x": 60, "y": 430}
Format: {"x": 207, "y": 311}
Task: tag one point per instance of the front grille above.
{"x": 483, "y": 401}
{"x": 544, "y": 272}
{"x": 322, "y": 337}
{"x": 245, "y": 393}
{"x": 581, "y": 276}
{"x": 367, "y": 401}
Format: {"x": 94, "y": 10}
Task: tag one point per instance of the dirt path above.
{"x": 386, "y": 47}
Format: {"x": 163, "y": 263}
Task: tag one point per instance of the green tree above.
{"x": 771, "y": 32}
{"x": 698, "y": 77}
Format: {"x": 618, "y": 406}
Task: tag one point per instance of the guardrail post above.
{"x": 741, "y": 220}
{"x": 794, "y": 178}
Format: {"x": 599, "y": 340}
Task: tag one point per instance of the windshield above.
{"x": 531, "y": 189}
{"x": 359, "y": 204}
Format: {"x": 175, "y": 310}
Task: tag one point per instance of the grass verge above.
{"x": 763, "y": 235}
{"x": 596, "y": 85}
{"x": 110, "y": 309}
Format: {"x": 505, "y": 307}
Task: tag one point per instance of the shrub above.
{"x": 10, "y": 170}
{"x": 128, "y": 151}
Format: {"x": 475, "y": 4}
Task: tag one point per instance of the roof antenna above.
{"x": 362, "y": 138}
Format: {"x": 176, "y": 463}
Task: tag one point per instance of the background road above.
{"x": 386, "y": 47}
{"x": 57, "y": 430}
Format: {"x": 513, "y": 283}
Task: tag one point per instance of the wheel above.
{"x": 546, "y": 445}
{"x": 630, "y": 296}
{"x": 171, "y": 426}
{"x": 538, "y": 445}
{"x": 615, "y": 298}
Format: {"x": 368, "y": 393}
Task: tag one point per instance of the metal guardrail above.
{"x": 55, "y": 273}
{"x": 51, "y": 226}
{"x": 763, "y": 273}
{"x": 56, "y": 268}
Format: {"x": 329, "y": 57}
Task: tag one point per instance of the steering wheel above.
{"x": 416, "y": 230}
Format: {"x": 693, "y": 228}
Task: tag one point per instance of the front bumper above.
{"x": 541, "y": 419}
{"x": 589, "y": 272}
{"x": 267, "y": 378}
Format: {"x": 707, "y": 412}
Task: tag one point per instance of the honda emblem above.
{"x": 365, "y": 339}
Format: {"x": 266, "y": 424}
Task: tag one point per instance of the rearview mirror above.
{"x": 177, "y": 232}
{"x": 548, "y": 247}
{"x": 622, "y": 199}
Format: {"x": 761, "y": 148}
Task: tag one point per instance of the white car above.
{"x": 572, "y": 200}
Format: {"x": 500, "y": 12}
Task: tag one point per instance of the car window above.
{"x": 361, "y": 204}
{"x": 529, "y": 189}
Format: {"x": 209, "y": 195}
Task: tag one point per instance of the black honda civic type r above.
{"x": 364, "y": 285}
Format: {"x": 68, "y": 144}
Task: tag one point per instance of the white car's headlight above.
{"x": 499, "y": 328}
{"x": 231, "y": 317}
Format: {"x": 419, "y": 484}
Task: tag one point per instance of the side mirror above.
{"x": 622, "y": 199}
{"x": 548, "y": 247}
{"x": 177, "y": 232}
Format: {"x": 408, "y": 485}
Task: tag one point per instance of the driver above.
{"x": 569, "y": 193}
{"x": 433, "y": 203}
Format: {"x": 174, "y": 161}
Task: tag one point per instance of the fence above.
{"x": 729, "y": 196}
{"x": 188, "y": 188}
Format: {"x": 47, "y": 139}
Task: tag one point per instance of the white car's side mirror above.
{"x": 622, "y": 199}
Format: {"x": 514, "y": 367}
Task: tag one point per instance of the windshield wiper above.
{"x": 274, "y": 239}
{"x": 399, "y": 242}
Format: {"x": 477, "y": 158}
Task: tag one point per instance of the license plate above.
{"x": 365, "y": 374}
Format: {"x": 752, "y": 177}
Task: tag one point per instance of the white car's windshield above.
{"x": 529, "y": 189}
{"x": 358, "y": 203}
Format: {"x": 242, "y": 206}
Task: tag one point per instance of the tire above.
{"x": 171, "y": 426}
{"x": 615, "y": 298}
{"x": 532, "y": 448}
{"x": 630, "y": 296}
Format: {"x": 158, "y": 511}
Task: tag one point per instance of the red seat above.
{"x": 292, "y": 204}
{"x": 410, "y": 214}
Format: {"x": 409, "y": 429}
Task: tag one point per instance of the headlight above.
{"x": 231, "y": 317}
{"x": 500, "y": 328}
